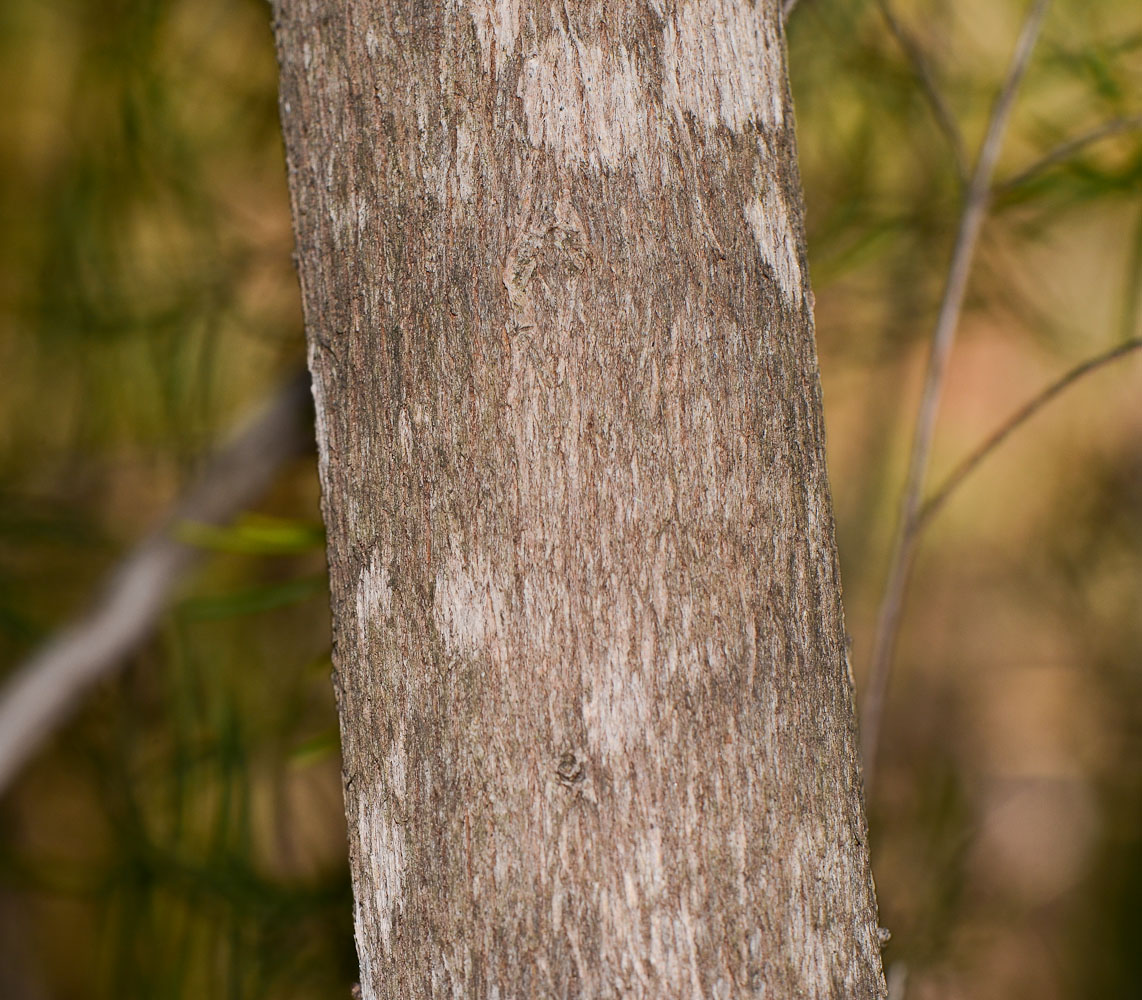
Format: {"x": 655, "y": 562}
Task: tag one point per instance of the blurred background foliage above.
{"x": 184, "y": 837}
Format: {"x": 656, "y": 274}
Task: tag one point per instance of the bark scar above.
{"x": 570, "y": 769}
{"x": 552, "y": 238}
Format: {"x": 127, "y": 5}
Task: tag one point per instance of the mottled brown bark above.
{"x": 596, "y": 714}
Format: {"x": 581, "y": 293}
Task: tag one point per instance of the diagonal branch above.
{"x": 945, "y": 120}
{"x": 1064, "y": 151}
{"x": 42, "y": 693}
{"x": 943, "y": 336}
{"x": 937, "y": 500}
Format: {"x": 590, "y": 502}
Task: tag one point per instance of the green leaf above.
{"x": 254, "y": 535}
{"x": 317, "y": 748}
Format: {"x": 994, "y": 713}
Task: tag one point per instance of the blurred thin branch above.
{"x": 43, "y": 692}
{"x": 787, "y": 9}
{"x": 1064, "y": 151}
{"x": 937, "y": 500}
{"x": 945, "y": 120}
{"x": 897, "y": 981}
{"x": 1133, "y": 290}
{"x": 975, "y": 206}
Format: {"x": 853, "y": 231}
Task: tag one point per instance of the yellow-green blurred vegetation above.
{"x": 183, "y": 837}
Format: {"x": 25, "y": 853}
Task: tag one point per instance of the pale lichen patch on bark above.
{"x": 589, "y": 107}
{"x": 768, "y": 218}
{"x": 404, "y": 436}
{"x": 361, "y": 928}
{"x": 497, "y": 23}
{"x": 651, "y": 934}
{"x": 470, "y": 604}
{"x": 374, "y": 598}
{"x": 811, "y": 943}
{"x": 722, "y": 63}
{"x": 617, "y": 712}
{"x": 467, "y": 158}
{"x": 317, "y": 387}
{"x": 383, "y": 846}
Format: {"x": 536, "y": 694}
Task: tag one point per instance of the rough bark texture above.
{"x": 597, "y": 719}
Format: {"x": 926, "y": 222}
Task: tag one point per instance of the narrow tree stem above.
{"x": 1066, "y": 150}
{"x": 974, "y": 212}
{"x": 41, "y": 694}
{"x": 938, "y": 499}
{"x": 945, "y": 120}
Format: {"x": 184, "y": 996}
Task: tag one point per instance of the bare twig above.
{"x": 945, "y": 120}
{"x": 1133, "y": 296}
{"x": 897, "y": 981}
{"x": 943, "y": 336}
{"x": 787, "y": 9}
{"x": 937, "y": 500}
{"x": 1064, "y": 151}
{"x": 42, "y": 693}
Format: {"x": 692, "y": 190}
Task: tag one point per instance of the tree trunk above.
{"x": 596, "y": 714}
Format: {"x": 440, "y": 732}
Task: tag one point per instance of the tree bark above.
{"x": 596, "y": 712}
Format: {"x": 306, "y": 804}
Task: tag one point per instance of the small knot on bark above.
{"x": 570, "y": 768}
